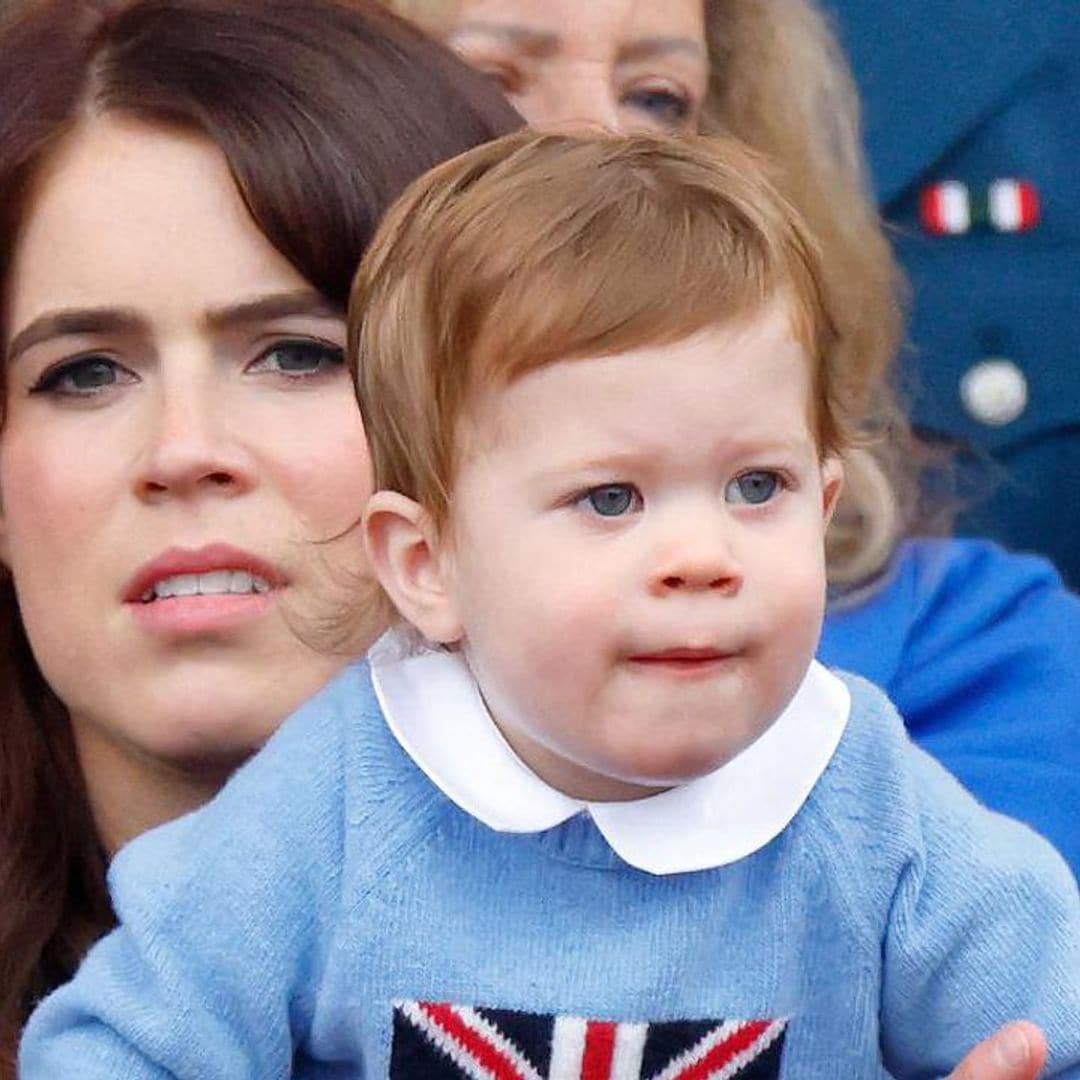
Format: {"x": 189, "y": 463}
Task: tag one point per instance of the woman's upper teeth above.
{"x": 215, "y": 583}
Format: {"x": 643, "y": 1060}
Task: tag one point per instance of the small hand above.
{"x": 1016, "y": 1051}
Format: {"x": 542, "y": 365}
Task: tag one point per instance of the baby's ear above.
{"x": 832, "y": 481}
{"x": 403, "y": 547}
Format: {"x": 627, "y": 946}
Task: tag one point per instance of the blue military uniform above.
{"x": 958, "y": 96}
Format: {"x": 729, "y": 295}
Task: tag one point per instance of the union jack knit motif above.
{"x": 440, "y": 1041}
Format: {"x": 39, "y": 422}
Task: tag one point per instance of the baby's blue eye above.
{"x": 613, "y": 500}
{"x": 753, "y": 488}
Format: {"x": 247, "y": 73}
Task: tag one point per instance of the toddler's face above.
{"x": 636, "y": 555}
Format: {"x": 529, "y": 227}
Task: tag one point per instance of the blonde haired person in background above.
{"x": 976, "y": 646}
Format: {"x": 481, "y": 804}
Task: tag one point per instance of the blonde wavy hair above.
{"x": 780, "y": 83}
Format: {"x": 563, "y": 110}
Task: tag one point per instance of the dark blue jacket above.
{"x": 980, "y": 651}
{"x": 976, "y": 91}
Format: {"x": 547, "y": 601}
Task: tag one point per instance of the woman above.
{"x": 186, "y": 187}
{"x": 203, "y": 227}
{"x": 976, "y": 647}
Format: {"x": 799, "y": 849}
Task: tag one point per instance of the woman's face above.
{"x": 180, "y": 429}
{"x": 630, "y": 65}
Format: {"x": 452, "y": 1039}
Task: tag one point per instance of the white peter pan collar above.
{"x": 434, "y": 709}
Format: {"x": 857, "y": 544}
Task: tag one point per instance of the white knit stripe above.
{"x": 442, "y": 1041}
{"x": 629, "y": 1051}
{"x": 497, "y": 1039}
{"x": 1005, "y": 207}
{"x": 955, "y": 206}
{"x": 567, "y": 1048}
{"x": 700, "y": 1049}
{"x": 758, "y": 1046}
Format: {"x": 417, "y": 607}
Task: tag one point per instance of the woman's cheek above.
{"x": 45, "y": 493}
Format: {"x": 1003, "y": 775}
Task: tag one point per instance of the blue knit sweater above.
{"x": 334, "y": 904}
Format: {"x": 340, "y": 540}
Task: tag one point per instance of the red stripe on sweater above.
{"x": 722, "y": 1053}
{"x": 599, "y": 1051}
{"x": 485, "y": 1054}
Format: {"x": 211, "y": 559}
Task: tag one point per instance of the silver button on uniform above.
{"x": 994, "y": 391}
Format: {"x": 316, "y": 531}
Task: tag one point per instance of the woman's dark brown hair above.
{"x": 324, "y": 110}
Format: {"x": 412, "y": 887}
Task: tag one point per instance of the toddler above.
{"x": 591, "y": 810}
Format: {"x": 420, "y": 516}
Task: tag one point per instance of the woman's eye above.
{"x": 502, "y": 71}
{"x": 667, "y": 108}
{"x": 84, "y": 377}
{"x": 505, "y": 78}
{"x": 753, "y": 488}
{"x": 300, "y": 359}
{"x": 612, "y": 500}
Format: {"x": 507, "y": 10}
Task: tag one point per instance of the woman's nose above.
{"x": 575, "y": 95}
{"x": 190, "y": 448}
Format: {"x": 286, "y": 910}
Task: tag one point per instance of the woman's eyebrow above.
{"x": 277, "y": 306}
{"x": 529, "y": 39}
{"x": 71, "y": 321}
{"x": 648, "y": 48}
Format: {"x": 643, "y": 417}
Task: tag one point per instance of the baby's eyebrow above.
{"x": 604, "y": 463}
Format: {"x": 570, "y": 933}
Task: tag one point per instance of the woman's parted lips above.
{"x": 177, "y": 561}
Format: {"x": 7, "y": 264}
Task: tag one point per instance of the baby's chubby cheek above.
{"x": 546, "y": 644}
{"x": 797, "y": 612}
{"x": 575, "y": 624}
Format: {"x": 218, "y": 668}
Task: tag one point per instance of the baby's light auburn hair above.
{"x": 536, "y": 249}
{"x": 779, "y": 81}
